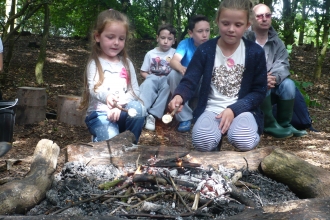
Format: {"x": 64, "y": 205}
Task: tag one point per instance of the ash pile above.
{"x": 167, "y": 189}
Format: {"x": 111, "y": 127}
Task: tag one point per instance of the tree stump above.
{"x": 303, "y": 178}
{"x": 68, "y": 112}
{"x": 31, "y": 106}
{"x": 19, "y": 196}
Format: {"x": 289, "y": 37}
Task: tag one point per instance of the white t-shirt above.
{"x": 157, "y": 62}
{"x": 226, "y": 79}
{"x": 114, "y": 83}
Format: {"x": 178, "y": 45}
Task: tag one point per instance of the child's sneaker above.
{"x": 150, "y": 123}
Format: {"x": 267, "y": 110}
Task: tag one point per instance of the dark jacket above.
{"x": 253, "y": 87}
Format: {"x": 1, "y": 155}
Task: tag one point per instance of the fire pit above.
{"x": 171, "y": 189}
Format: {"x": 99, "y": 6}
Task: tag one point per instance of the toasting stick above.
{"x": 131, "y": 112}
{"x": 167, "y": 118}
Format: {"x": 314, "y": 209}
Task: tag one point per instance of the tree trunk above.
{"x": 19, "y": 196}
{"x": 166, "y": 12}
{"x": 303, "y": 178}
{"x": 302, "y": 24}
{"x": 288, "y": 20}
{"x": 42, "y": 54}
{"x": 325, "y": 40}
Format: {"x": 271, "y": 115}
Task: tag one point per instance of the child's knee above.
{"x": 205, "y": 145}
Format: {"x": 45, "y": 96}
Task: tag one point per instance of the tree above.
{"x": 25, "y": 12}
{"x": 288, "y": 17}
{"x": 166, "y": 12}
{"x": 42, "y": 54}
{"x": 325, "y": 40}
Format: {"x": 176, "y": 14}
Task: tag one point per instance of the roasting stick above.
{"x": 167, "y": 118}
{"x": 131, "y": 112}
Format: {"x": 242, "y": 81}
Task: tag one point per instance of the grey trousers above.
{"x": 154, "y": 92}
{"x": 173, "y": 80}
{"x": 242, "y": 133}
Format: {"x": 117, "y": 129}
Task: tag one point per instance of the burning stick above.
{"x": 167, "y": 118}
{"x": 131, "y": 112}
{"x": 198, "y": 192}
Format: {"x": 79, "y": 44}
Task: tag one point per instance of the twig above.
{"x": 94, "y": 198}
{"x": 257, "y": 196}
{"x": 176, "y": 191}
{"x": 151, "y": 197}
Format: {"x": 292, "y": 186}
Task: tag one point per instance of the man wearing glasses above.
{"x": 281, "y": 89}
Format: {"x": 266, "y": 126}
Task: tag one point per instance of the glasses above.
{"x": 261, "y": 16}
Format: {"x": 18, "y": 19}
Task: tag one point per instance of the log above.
{"x": 68, "y": 112}
{"x": 303, "y": 178}
{"x": 19, "y": 196}
{"x": 317, "y": 208}
{"x": 31, "y": 106}
{"x": 120, "y": 151}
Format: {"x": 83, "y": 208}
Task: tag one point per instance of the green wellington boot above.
{"x": 271, "y": 126}
{"x": 284, "y": 116}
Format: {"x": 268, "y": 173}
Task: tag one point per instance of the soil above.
{"x": 63, "y": 75}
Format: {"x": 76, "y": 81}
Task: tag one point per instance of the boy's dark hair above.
{"x": 168, "y": 27}
{"x": 194, "y": 19}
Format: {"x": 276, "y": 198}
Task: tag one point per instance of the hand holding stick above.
{"x": 167, "y": 118}
{"x": 131, "y": 112}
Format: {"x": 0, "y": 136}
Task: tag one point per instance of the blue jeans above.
{"x": 284, "y": 91}
{"x": 103, "y": 129}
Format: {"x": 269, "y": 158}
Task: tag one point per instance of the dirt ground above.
{"x": 63, "y": 75}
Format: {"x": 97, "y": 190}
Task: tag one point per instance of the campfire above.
{"x": 165, "y": 189}
{"x": 120, "y": 179}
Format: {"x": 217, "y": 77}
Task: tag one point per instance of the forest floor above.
{"x": 63, "y": 75}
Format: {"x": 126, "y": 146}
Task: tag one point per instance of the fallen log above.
{"x": 19, "y": 196}
{"x": 120, "y": 151}
{"x": 317, "y": 208}
{"x": 303, "y": 178}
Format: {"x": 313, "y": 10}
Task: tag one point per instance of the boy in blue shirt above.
{"x": 199, "y": 32}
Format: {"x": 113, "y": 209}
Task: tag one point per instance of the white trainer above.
{"x": 150, "y": 123}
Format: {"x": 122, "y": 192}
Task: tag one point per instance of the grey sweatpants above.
{"x": 173, "y": 80}
{"x": 154, "y": 92}
{"x": 242, "y": 133}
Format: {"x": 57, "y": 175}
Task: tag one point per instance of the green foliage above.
{"x": 302, "y": 86}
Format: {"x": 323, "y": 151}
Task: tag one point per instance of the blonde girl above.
{"x": 234, "y": 83}
{"x": 110, "y": 81}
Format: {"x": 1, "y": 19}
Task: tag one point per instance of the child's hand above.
{"x": 227, "y": 117}
{"x": 114, "y": 114}
{"x": 175, "y": 102}
{"x": 111, "y": 101}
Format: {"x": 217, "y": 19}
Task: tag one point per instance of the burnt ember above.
{"x": 167, "y": 191}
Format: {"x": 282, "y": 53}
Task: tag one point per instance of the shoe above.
{"x": 4, "y": 148}
{"x": 150, "y": 123}
{"x": 184, "y": 126}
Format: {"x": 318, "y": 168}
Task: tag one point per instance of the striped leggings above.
{"x": 242, "y": 133}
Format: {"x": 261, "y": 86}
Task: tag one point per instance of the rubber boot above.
{"x": 284, "y": 116}
{"x": 271, "y": 126}
{"x": 4, "y": 148}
